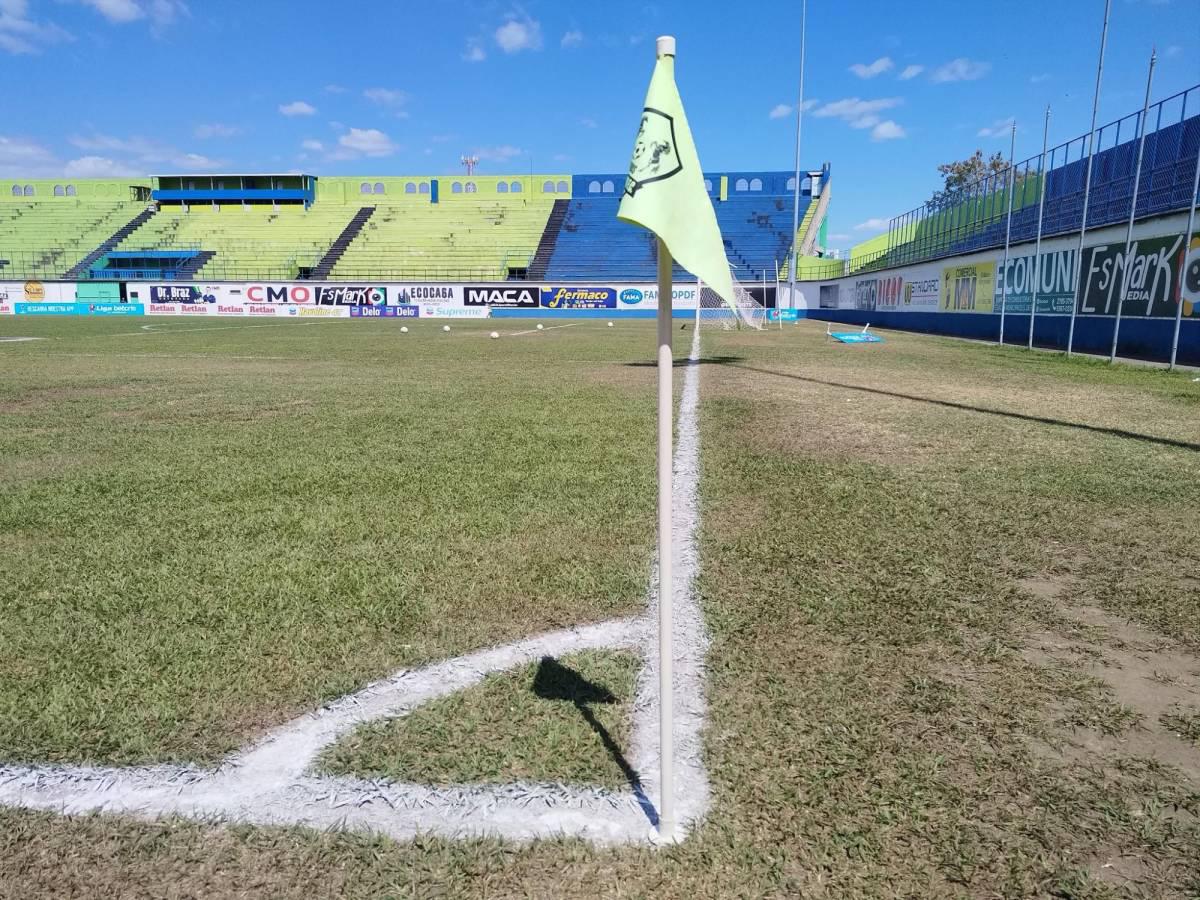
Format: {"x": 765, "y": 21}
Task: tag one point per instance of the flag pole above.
{"x": 1127, "y": 267}
{"x": 665, "y": 46}
{"x": 1187, "y": 241}
{"x": 666, "y": 410}
{"x": 1037, "y": 247}
{"x": 796, "y": 193}
{"x": 1012, "y": 189}
{"x": 1077, "y": 297}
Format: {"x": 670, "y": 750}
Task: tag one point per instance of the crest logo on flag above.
{"x": 655, "y": 157}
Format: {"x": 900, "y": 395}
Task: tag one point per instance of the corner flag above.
{"x": 665, "y": 193}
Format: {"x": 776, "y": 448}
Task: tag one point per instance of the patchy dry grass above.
{"x": 940, "y": 612}
{"x": 564, "y": 721}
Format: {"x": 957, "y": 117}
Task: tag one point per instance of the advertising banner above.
{"x": 1055, "y": 277}
{"x": 783, "y": 315}
{"x": 866, "y": 292}
{"x": 415, "y": 294}
{"x": 385, "y": 312}
{"x": 922, "y": 290}
{"x": 525, "y": 297}
{"x": 442, "y": 311}
{"x": 968, "y": 288}
{"x": 890, "y": 292}
{"x": 1151, "y": 270}
{"x": 645, "y": 296}
{"x": 182, "y": 293}
{"x": 350, "y": 295}
{"x": 297, "y": 294}
{"x": 181, "y": 309}
{"x": 78, "y": 308}
{"x": 579, "y": 298}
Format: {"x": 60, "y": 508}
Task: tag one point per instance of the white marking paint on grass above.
{"x": 159, "y": 329}
{"x": 546, "y": 328}
{"x": 273, "y": 782}
{"x": 13, "y": 340}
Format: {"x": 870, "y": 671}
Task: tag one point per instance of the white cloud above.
{"x": 386, "y": 96}
{"x": 100, "y": 167}
{"x": 999, "y": 128}
{"x": 474, "y": 52}
{"x": 839, "y": 237}
{"x": 887, "y": 130}
{"x": 365, "y": 142}
{"x": 392, "y": 99}
{"x": 194, "y": 162}
{"x": 310, "y": 144}
{"x": 298, "y": 108}
{"x": 780, "y": 111}
{"x": 911, "y": 72}
{"x": 855, "y": 112}
{"x": 1172, "y": 50}
{"x": 870, "y": 70}
{"x": 519, "y": 33}
{"x": 122, "y": 12}
{"x": 23, "y": 158}
{"x": 143, "y": 153}
{"x": 961, "y": 69}
{"x": 874, "y": 224}
{"x": 119, "y": 11}
{"x": 501, "y": 153}
{"x": 215, "y": 130}
{"x": 572, "y": 38}
{"x": 21, "y": 35}
{"x": 1038, "y": 79}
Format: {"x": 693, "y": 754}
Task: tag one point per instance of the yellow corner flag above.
{"x": 665, "y": 193}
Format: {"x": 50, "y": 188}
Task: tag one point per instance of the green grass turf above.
{"x": 208, "y": 531}
{"x": 563, "y": 721}
{"x": 889, "y": 535}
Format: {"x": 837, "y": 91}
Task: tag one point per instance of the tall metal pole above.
{"x": 1037, "y": 246}
{"x": 796, "y": 194}
{"x": 1187, "y": 239}
{"x": 1012, "y": 189}
{"x": 1087, "y": 182}
{"x": 1127, "y": 268}
{"x": 665, "y": 46}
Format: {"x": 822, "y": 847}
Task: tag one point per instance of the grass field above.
{"x": 952, "y": 592}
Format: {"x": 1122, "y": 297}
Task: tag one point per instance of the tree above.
{"x": 965, "y": 172}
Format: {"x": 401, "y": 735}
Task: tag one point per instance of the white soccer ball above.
{"x": 404, "y": 329}
{"x": 495, "y": 334}
{"x": 610, "y": 324}
{"x": 445, "y": 328}
{"x": 539, "y": 326}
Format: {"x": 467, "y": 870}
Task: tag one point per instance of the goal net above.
{"x": 745, "y": 312}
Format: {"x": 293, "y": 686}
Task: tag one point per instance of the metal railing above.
{"x": 973, "y": 218}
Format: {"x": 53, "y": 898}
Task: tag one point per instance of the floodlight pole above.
{"x": 666, "y": 409}
{"x": 1012, "y": 189}
{"x": 1187, "y": 240}
{"x": 1037, "y": 246}
{"x": 1077, "y": 297}
{"x": 796, "y": 193}
{"x": 1127, "y": 268}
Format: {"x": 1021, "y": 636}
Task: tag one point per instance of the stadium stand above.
{"x": 47, "y": 239}
{"x": 754, "y": 212}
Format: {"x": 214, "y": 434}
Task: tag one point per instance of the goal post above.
{"x": 713, "y": 311}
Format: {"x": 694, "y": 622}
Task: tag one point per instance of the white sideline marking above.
{"x": 14, "y": 340}
{"x": 158, "y": 329}
{"x": 272, "y": 781}
{"x": 546, "y": 328}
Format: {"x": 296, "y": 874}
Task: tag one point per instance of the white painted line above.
{"x": 546, "y": 328}
{"x": 272, "y": 782}
{"x": 158, "y": 329}
{"x": 14, "y": 340}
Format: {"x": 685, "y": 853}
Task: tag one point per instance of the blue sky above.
{"x": 106, "y": 88}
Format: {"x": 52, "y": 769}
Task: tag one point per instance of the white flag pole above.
{"x": 665, "y": 46}
{"x": 666, "y": 414}
{"x": 1187, "y": 241}
{"x": 1037, "y": 247}
{"x": 1127, "y": 264}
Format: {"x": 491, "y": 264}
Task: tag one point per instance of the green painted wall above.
{"x": 85, "y": 189}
